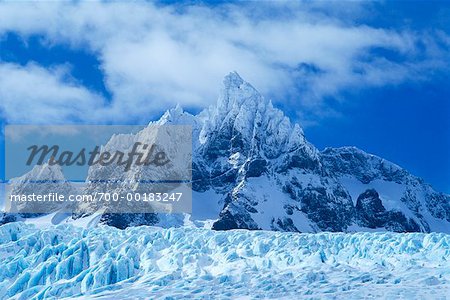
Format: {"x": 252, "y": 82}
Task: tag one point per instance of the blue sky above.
{"x": 370, "y": 74}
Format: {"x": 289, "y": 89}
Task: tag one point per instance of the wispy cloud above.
{"x": 32, "y": 94}
{"x": 153, "y": 57}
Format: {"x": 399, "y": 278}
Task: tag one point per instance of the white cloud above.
{"x": 34, "y": 94}
{"x": 153, "y": 56}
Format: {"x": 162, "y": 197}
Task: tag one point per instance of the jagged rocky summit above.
{"x": 254, "y": 169}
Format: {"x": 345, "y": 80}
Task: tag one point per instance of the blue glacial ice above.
{"x": 149, "y": 262}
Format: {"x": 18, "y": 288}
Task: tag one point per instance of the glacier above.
{"x": 104, "y": 262}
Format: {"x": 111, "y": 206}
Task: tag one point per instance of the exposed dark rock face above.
{"x": 122, "y": 220}
{"x": 241, "y": 220}
{"x": 7, "y": 218}
{"x": 371, "y": 213}
{"x": 439, "y": 206}
{"x": 370, "y": 210}
{"x": 284, "y": 224}
{"x": 256, "y": 167}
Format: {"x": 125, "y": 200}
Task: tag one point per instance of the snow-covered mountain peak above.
{"x": 238, "y": 99}
{"x": 44, "y": 172}
{"x": 41, "y": 180}
{"x": 233, "y": 78}
{"x": 253, "y": 168}
{"x": 244, "y": 121}
{"x": 175, "y": 116}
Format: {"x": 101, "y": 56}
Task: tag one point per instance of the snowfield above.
{"x": 142, "y": 262}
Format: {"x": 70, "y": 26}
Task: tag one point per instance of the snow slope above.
{"x": 107, "y": 263}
